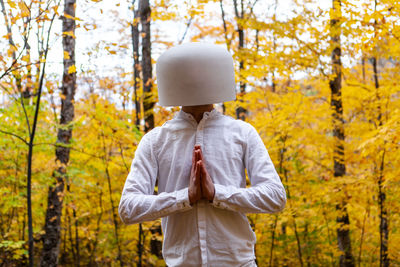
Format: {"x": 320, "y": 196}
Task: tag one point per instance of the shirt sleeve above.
{"x": 138, "y": 203}
{"x": 266, "y": 194}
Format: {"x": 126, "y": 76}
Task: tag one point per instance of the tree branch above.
{"x": 17, "y": 136}
{"x": 186, "y": 30}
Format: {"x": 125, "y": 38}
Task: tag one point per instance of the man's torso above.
{"x": 205, "y": 233}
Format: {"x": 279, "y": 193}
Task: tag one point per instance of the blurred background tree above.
{"x": 318, "y": 80}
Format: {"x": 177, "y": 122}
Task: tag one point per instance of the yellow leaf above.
{"x": 49, "y": 86}
{"x": 71, "y": 69}
{"x": 12, "y": 4}
{"x": 71, "y": 17}
{"x": 26, "y": 58}
{"x": 66, "y": 55}
{"x": 24, "y": 9}
{"x": 69, "y": 34}
{"x": 12, "y": 49}
{"x": 55, "y": 8}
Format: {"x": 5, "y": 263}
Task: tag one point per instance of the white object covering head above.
{"x": 195, "y": 74}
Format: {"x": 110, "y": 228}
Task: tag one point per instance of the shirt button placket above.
{"x": 202, "y": 226}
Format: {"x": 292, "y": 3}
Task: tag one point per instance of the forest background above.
{"x": 318, "y": 79}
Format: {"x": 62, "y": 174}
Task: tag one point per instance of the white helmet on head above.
{"x": 195, "y": 74}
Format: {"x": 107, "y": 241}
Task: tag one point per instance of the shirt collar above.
{"x": 188, "y": 117}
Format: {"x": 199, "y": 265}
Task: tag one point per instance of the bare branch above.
{"x": 227, "y": 41}
{"x": 17, "y": 68}
{"x": 252, "y": 7}
{"x": 186, "y": 30}
{"x": 17, "y": 136}
{"x": 40, "y": 86}
{"x": 26, "y": 114}
{"x": 122, "y": 156}
{"x": 8, "y": 92}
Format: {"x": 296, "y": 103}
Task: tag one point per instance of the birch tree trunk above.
{"x": 343, "y": 233}
{"x": 51, "y": 238}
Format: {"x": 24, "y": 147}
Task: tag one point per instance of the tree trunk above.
{"x": 271, "y": 251}
{"x": 51, "y": 238}
{"x": 140, "y": 244}
{"x": 343, "y": 233}
{"x": 285, "y": 174}
{"x": 148, "y": 101}
{"x": 69, "y": 229}
{"x": 155, "y": 244}
{"x": 136, "y": 87}
{"x": 114, "y": 215}
{"x": 96, "y": 239}
{"x": 136, "y": 63}
{"x": 76, "y": 252}
{"x": 241, "y": 112}
{"x": 273, "y": 79}
{"x": 227, "y": 41}
{"x": 383, "y": 225}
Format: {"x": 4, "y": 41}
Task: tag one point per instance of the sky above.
{"x": 112, "y": 31}
{"x": 110, "y": 17}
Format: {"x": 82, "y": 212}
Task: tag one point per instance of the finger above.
{"x": 194, "y": 157}
{"x": 198, "y": 170}
{"x": 203, "y": 170}
{"x": 194, "y": 160}
{"x": 198, "y": 148}
{"x": 201, "y": 154}
{"x": 198, "y": 166}
{"x": 197, "y": 155}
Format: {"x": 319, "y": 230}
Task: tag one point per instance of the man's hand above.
{"x": 207, "y": 185}
{"x": 195, "y": 178}
{"x": 200, "y": 185}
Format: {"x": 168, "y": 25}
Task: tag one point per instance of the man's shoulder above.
{"x": 161, "y": 131}
{"x": 152, "y": 134}
{"x": 236, "y": 124}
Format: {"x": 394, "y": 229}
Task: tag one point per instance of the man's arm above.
{"x": 266, "y": 194}
{"x": 138, "y": 203}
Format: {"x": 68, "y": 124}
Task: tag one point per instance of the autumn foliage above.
{"x": 283, "y": 60}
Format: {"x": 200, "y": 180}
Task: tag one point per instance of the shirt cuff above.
{"x": 182, "y": 199}
{"x": 219, "y": 197}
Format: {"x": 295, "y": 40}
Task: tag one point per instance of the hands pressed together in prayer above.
{"x": 200, "y": 185}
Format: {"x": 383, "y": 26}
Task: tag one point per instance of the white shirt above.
{"x": 205, "y": 234}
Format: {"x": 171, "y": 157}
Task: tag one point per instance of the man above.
{"x": 199, "y": 159}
